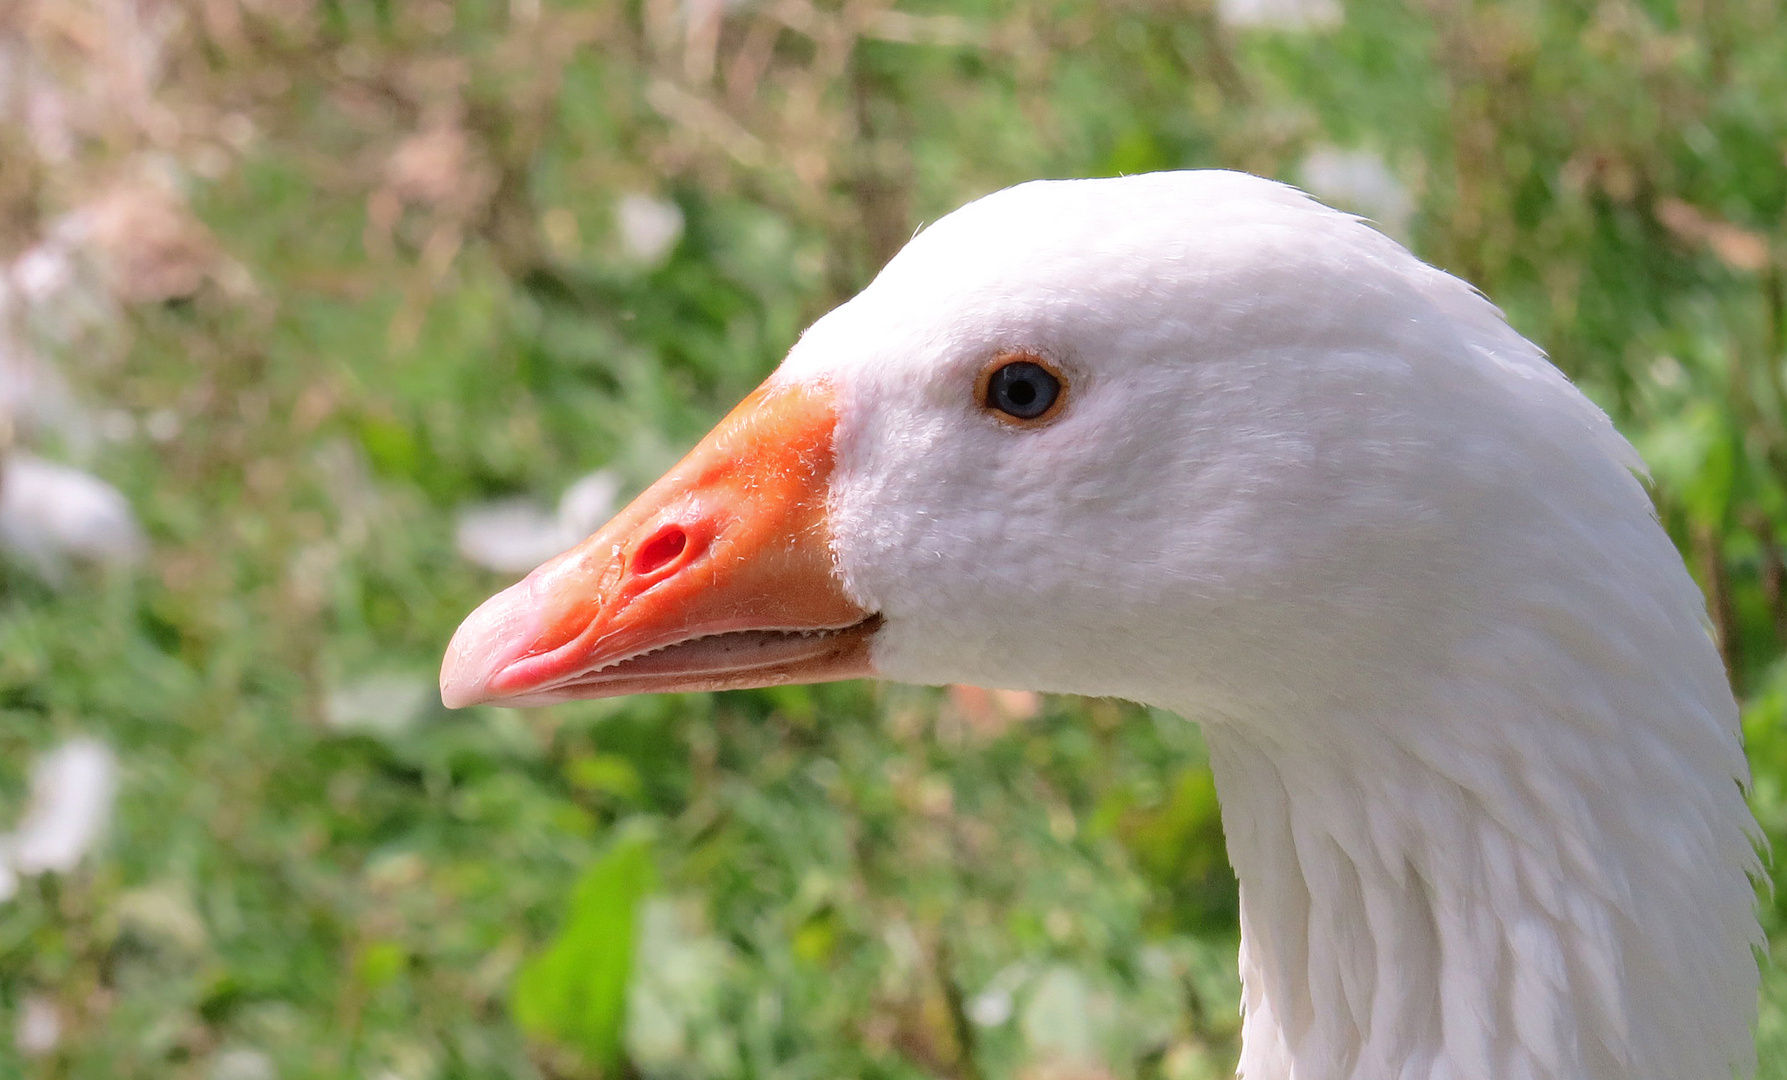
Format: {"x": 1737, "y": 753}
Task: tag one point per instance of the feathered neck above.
{"x": 1525, "y": 873}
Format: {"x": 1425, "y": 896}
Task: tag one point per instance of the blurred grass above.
{"x": 856, "y": 880}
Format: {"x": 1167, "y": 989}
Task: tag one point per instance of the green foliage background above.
{"x": 849, "y": 880}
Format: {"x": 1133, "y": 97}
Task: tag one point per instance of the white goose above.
{"x": 1194, "y": 440}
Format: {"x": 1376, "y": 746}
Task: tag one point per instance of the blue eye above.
{"x": 1022, "y": 390}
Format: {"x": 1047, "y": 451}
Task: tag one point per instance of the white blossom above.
{"x": 649, "y": 228}
{"x": 38, "y": 1028}
{"x": 384, "y": 704}
{"x": 34, "y": 397}
{"x": 71, "y": 799}
{"x": 243, "y": 1063}
{"x": 512, "y": 536}
{"x": 587, "y": 503}
{"x": 52, "y": 514}
{"x": 1281, "y": 14}
{"x": 1359, "y": 181}
{"x": 990, "y": 1008}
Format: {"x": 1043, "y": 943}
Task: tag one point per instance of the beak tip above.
{"x": 462, "y": 684}
{"x": 454, "y": 696}
{"x": 490, "y": 639}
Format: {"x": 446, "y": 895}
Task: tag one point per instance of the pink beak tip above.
{"x": 490, "y": 639}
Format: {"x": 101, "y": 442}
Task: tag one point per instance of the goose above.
{"x": 1195, "y": 440}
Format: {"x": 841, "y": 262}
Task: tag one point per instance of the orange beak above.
{"x": 719, "y": 576}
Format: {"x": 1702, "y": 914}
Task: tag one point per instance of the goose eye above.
{"x": 1023, "y": 390}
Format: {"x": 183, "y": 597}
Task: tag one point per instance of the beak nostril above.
{"x": 660, "y": 551}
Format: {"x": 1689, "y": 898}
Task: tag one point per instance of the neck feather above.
{"x": 1523, "y": 873}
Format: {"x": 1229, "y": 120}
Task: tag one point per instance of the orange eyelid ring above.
{"x": 718, "y": 576}
{"x": 984, "y": 381}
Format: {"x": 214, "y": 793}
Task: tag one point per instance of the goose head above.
{"x": 1194, "y": 440}
{"x": 1237, "y": 462}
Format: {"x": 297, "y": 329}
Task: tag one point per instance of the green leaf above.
{"x": 606, "y": 774}
{"x": 391, "y": 446}
{"x": 379, "y": 963}
{"x": 1136, "y": 151}
{"x": 574, "y": 995}
{"x": 1695, "y": 457}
